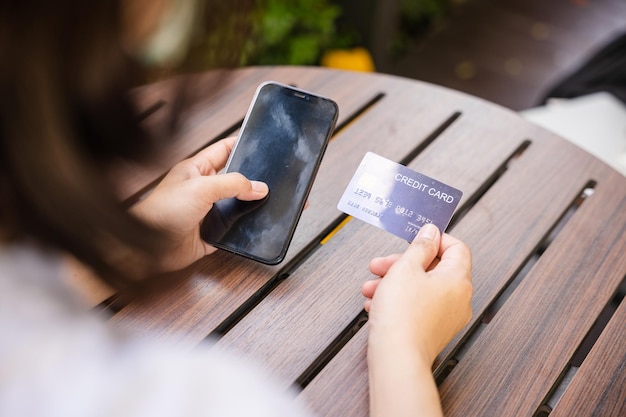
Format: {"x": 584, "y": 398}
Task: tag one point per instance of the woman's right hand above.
{"x": 419, "y": 302}
{"x": 423, "y": 295}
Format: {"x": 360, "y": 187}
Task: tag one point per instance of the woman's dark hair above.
{"x": 66, "y": 115}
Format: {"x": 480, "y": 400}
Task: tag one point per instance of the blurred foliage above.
{"x": 418, "y": 11}
{"x": 417, "y": 17}
{"x": 292, "y": 32}
{"x": 298, "y": 32}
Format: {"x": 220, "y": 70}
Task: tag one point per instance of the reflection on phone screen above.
{"x": 282, "y": 141}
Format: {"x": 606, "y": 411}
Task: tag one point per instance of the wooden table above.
{"x": 545, "y": 220}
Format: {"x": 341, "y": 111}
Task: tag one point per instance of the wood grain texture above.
{"x": 327, "y": 286}
{"x": 212, "y": 112}
{"x": 199, "y": 303}
{"x": 532, "y": 338}
{"x": 343, "y": 384}
{"x": 501, "y": 233}
{"x": 512, "y": 202}
{"x": 599, "y": 387}
{"x": 513, "y": 218}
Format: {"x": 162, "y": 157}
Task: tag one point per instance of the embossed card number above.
{"x": 396, "y": 198}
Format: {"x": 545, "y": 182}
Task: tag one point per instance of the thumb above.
{"x": 424, "y": 247}
{"x": 232, "y": 184}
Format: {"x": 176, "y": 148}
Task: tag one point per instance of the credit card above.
{"x": 397, "y": 199}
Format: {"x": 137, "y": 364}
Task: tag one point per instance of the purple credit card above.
{"x": 396, "y": 198}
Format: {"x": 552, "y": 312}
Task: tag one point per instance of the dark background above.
{"x": 506, "y": 51}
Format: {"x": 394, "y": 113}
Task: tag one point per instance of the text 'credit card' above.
{"x": 396, "y": 198}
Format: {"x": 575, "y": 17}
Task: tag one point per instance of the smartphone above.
{"x": 281, "y": 142}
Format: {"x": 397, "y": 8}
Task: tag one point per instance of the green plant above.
{"x": 417, "y": 17}
{"x": 292, "y": 32}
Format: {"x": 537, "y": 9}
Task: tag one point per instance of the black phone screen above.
{"x": 282, "y": 142}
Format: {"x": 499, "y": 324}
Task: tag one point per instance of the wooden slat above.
{"x": 327, "y": 286}
{"x": 509, "y": 223}
{"x": 341, "y": 389}
{"x": 198, "y": 304}
{"x": 532, "y": 338}
{"x": 599, "y": 387}
{"x": 501, "y": 235}
{"x": 211, "y": 114}
{"x": 512, "y": 365}
{"x": 208, "y": 118}
{"x": 237, "y": 92}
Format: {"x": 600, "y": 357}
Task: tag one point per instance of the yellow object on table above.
{"x": 356, "y": 59}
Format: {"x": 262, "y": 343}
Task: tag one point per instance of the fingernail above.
{"x": 259, "y": 187}
{"x": 428, "y": 231}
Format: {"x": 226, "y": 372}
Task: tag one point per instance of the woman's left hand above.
{"x": 184, "y": 197}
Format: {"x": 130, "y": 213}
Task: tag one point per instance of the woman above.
{"x": 65, "y": 73}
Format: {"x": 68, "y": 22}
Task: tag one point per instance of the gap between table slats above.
{"x": 195, "y": 306}
{"x": 453, "y": 356}
{"x": 584, "y": 250}
{"x": 326, "y": 287}
{"x": 210, "y": 114}
{"x": 593, "y": 391}
{"x": 487, "y": 230}
{"x": 326, "y": 356}
{"x": 588, "y": 343}
{"x": 232, "y": 131}
{"x": 113, "y": 304}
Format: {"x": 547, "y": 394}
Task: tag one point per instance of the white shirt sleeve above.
{"x": 58, "y": 360}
